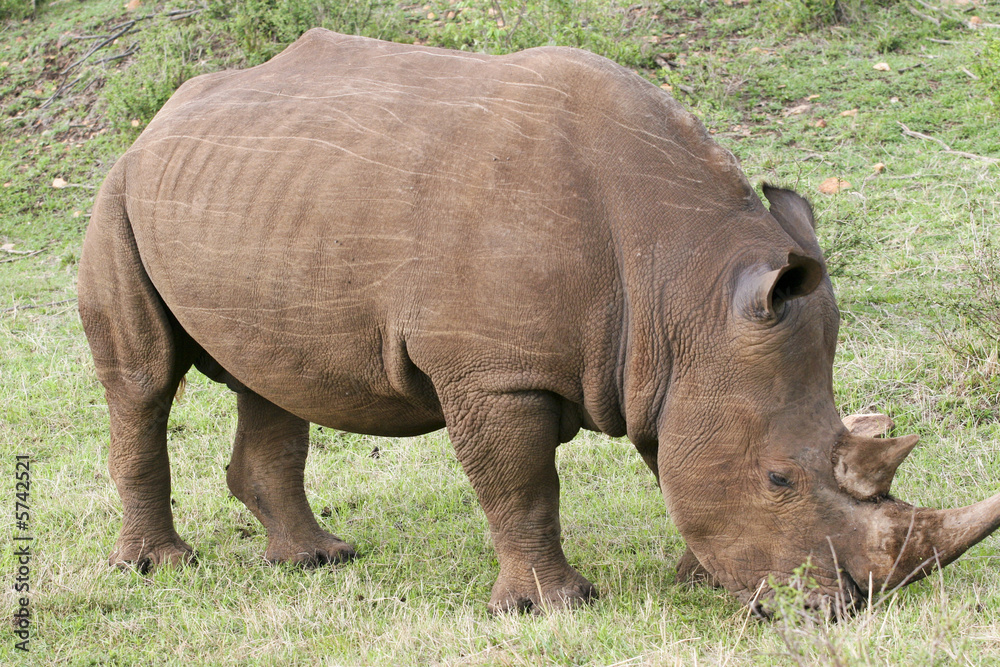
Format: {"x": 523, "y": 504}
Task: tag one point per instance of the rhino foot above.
{"x": 322, "y": 549}
{"x": 507, "y": 598}
{"x": 146, "y": 557}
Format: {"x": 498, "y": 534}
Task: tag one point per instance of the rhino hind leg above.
{"x": 507, "y": 445}
{"x": 140, "y": 354}
{"x": 266, "y": 474}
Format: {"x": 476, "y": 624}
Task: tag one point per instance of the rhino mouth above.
{"x": 834, "y": 603}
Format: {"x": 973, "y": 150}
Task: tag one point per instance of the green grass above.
{"x": 911, "y": 251}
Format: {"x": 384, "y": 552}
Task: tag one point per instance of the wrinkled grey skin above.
{"x": 389, "y": 239}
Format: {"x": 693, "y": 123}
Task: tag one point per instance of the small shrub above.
{"x": 987, "y": 67}
{"x": 165, "y": 60}
{"x": 15, "y": 10}
{"x": 262, "y": 28}
{"x": 805, "y": 15}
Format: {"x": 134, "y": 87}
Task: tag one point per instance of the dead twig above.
{"x": 939, "y": 10}
{"x": 947, "y": 149}
{"x": 60, "y": 90}
{"x": 132, "y": 49}
{"x": 23, "y": 256}
{"x": 925, "y": 17}
{"x": 179, "y": 14}
{"x": 125, "y": 29}
{"x": 37, "y": 305}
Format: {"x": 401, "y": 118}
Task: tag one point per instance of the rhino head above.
{"x": 759, "y": 471}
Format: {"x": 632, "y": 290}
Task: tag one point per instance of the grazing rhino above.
{"x": 390, "y": 239}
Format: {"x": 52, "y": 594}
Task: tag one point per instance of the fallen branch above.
{"x": 132, "y": 49}
{"x": 23, "y": 255}
{"x": 37, "y": 305}
{"x": 925, "y": 17}
{"x": 179, "y": 14}
{"x": 940, "y": 10}
{"x": 127, "y": 27}
{"x": 947, "y": 149}
{"x": 60, "y": 90}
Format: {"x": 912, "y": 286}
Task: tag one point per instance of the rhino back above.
{"x": 355, "y": 217}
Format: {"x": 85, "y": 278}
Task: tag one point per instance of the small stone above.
{"x": 59, "y": 183}
{"x": 833, "y": 185}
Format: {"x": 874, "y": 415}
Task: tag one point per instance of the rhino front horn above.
{"x": 863, "y": 464}
{"x": 912, "y": 541}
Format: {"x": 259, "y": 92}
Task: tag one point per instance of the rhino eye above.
{"x": 778, "y": 479}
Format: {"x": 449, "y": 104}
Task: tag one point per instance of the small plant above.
{"x": 15, "y": 10}
{"x": 263, "y": 28}
{"x": 987, "y": 66}
{"x": 163, "y": 63}
{"x": 801, "y": 621}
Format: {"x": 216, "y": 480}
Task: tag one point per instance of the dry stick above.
{"x": 100, "y": 45}
{"x": 941, "y": 10}
{"x": 22, "y": 256}
{"x": 179, "y": 14}
{"x": 947, "y": 149}
{"x": 37, "y": 305}
{"x": 933, "y": 20}
{"x": 541, "y": 598}
{"x": 60, "y": 90}
{"x": 65, "y": 73}
{"x": 899, "y": 556}
{"x": 132, "y": 49}
{"x": 841, "y": 598}
{"x": 746, "y": 619}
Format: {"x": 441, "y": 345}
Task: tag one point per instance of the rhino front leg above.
{"x": 507, "y": 445}
{"x": 266, "y": 473}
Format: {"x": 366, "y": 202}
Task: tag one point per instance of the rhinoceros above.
{"x": 390, "y": 239}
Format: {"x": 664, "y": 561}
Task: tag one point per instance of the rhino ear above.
{"x": 762, "y": 295}
{"x": 795, "y": 216}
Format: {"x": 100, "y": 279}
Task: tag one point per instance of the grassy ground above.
{"x": 791, "y": 87}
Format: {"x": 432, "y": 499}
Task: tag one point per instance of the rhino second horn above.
{"x": 913, "y": 541}
{"x": 864, "y": 467}
{"x": 869, "y": 425}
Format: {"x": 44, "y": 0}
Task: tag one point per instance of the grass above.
{"x": 911, "y": 250}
